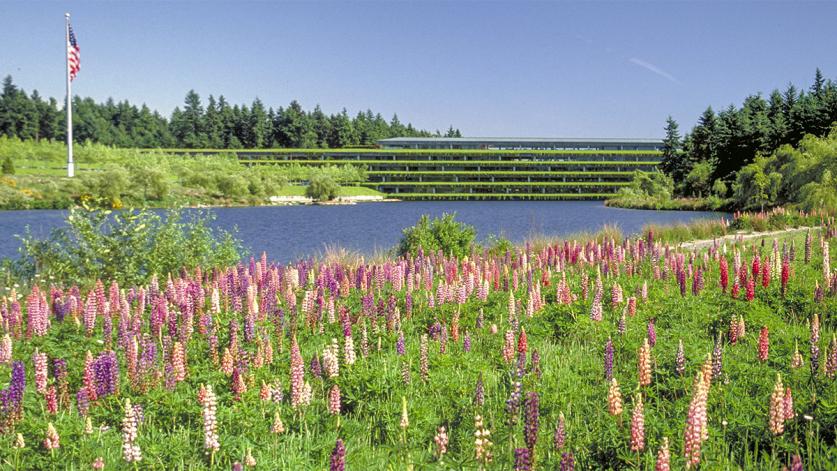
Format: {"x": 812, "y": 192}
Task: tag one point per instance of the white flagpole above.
{"x": 69, "y": 106}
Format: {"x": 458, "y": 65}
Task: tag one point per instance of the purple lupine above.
{"x": 608, "y": 359}
{"x": 522, "y": 459}
{"x": 82, "y": 401}
{"x": 567, "y": 461}
{"x": 107, "y": 373}
{"x": 13, "y": 395}
{"x": 536, "y": 362}
{"x": 530, "y": 428}
{"x": 479, "y": 392}
{"x": 399, "y": 344}
{"x": 338, "y": 457}
{"x": 652, "y": 333}
{"x": 513, "y": 402}
{"x": 717, "y": 358}
{"x": 316, "y": 368}
{"x": 466, "y": 342}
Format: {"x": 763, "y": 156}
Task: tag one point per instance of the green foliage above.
{"x": 8, "y": 165}
{"x": 322, "y": 187}
{"x": 127, "y": 246}
{"x": 719, "y": 188}
{"x": 699, "y": 178}
{"x": 452, "y": 237}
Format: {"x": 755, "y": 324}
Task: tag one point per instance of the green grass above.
{"x": 412, "y": 151}
{"x": 500, "y": 184}
{"x": 299, "y": 190}
{"x": 505, "y": 163}
{"x": 493, "y": 173}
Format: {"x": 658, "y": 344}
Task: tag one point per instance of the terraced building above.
{"x": 486, "y": 168}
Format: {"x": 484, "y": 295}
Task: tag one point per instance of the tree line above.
{"x": 213, "y": 124}
{"x": 708, "y": 158}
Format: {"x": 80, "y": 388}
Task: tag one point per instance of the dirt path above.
{"x": 698, "y": 244}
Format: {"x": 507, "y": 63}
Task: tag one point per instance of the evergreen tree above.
{"x": 672, "y": 160}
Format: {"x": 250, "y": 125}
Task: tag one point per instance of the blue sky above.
{"x": 553, "y": 69}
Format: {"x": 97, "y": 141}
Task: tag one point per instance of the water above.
{"x": 290, "y": 232}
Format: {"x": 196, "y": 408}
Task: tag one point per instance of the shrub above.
{"x": 127, "y": 246}
{"x": 445, "y": 233}
{"x": 8, "y": 165}
{"x": 322, "y": 188}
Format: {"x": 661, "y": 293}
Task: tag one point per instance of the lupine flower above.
{"x": 652, "y": 333}
{"x": 6, "y": 349}
{"x": 796, "y": 359}
{"x": 206, "y": 398}
{"x": 39, "y": 359}
{"x": 622, "y": 325}
{"x": 796, "y": 463}
{"x": 400, "y": 348}
{"x": 508, "y": 346}
{"x": 51, "y": 399}
{"x": 530, "y": 428}
{"x": 405, "y": 418}
{"x": 724, "y": 274}
{"x": 608, "y": 359}
{"x": 278, "y": 427}
{"x": 19, "y": 442}
{"x": 513, "y": 402}
{"x": 51, "y": 440}
{"x": 178, "y": 362}
{"x": 663, "y": 457}
{"x": 130, "y": 450}
{"x": 522, "y": 459}
{"x": 466, "y": 342}
{"x": 297, "y": 375}
{"x": 831, "y": 358}
{"x": 717, "y": 358}
{"x": 441, "y": 440}
{"x": 331, "y": 362}
{"x": 644, "y": 363}
{"x": 482, "y": 442}
{"x": 567, "y": 461}
{"x": 249, "y": 460}
{"x": 614, "y": 398}
{"x": 696, "y": 431}
{"x": 788, "y": 405}
{"x": 98, "y": 463}
{"x": 777, "y": 408}
{"x": 560, "y": 435}
{"x": 334, "y": 400}
{"x": 638, "y": 425}
{"x": 479, "y": 392}
{"x": 733, "y": 330}
{"x": 338, "y": 457}
{"x": 764, "y": 344}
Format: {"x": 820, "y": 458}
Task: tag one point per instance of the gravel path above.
{"x": 739, "y": 236}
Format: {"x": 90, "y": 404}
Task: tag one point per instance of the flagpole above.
{"x": 69, "y": 105}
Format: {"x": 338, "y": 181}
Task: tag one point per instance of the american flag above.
{"x": 73, "y": 55}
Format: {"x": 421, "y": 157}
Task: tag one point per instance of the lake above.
{"x": 290, "y": 232}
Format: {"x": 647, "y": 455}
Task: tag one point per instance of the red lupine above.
{"x": 764, "y": 344}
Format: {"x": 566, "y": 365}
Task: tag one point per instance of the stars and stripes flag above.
{"x": 73, "y": 54}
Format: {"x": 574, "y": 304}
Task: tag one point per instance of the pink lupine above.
{"x": 6, "y": 349}
{"x": 724, "y": 274}
{"x": 696, "y": 431}
{"x": 40, "y": 361}
{"x": 441, "y": 440}
{"x": 638, "y": 425}
{"x": 297, "y": 374}
{"x": 508, "y": 347}
{"x": 663, "y": 457}
{"x": 788, "y": 405}
{"x": 51, "y": 400}
{"x": 632, "y": 306}
{"x": 785, "y": 275}
{"x": 522, "y": 341}
{"x": 334, "y": 400}
{"x": 51, "y": 439}
{"x": 751, "y": 289}
{"x": 764, "y": 344}
{"x": 178, "y": 362}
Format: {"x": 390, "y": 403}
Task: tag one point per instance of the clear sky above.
{"x": 551, "y": 69}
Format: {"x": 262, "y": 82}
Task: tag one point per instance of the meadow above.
{"x": 603, "y": 352}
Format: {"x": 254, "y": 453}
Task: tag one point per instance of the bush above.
{"x": 445, "y": 233}
{"x": 8, "y": 165}
{"x": 127, "y": 246}
{"x": 322, "y": 188}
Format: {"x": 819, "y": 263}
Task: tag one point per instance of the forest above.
{"x": 212, "y": 124}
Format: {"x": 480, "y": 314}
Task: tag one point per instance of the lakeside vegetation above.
{"x": 602, "y": 352}
{"x": 767, "y": 153}
{"x": 113, "y": 178}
